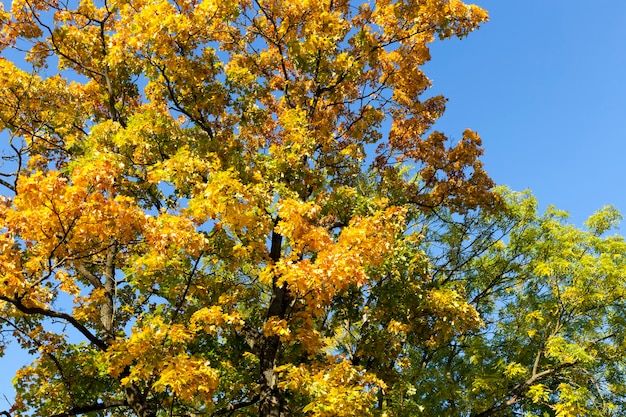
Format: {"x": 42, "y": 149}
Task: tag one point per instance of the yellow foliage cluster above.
{"x": 330, "y": 266}
{"x": 156, "y": 352}
{"x": 337, "y": 389}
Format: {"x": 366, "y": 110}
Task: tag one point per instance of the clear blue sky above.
{"x": 543, "y": 83}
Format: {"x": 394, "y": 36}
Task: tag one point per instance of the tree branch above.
{"x": 233, "y": 407}
{"x": 6, "y": 184}
{"x": 516, "y": 391}
{"x": 55, "y": 314}
{"x": 75, "y": 411}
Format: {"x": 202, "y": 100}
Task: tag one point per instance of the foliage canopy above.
{"x": 241, "y": 208}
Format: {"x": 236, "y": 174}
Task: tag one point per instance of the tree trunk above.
{"x": 137, "y": 401}
{"x": 270, "y": 400}
{"x": 271, "y": 403}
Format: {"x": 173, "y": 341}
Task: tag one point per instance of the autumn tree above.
{"x": 223, "y": 207}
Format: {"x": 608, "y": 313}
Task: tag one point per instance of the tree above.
{"x": 551, "y": 299}
{"x": 241, "y": 208}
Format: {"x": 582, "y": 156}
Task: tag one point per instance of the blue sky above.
{"x": 543, "y": 84}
